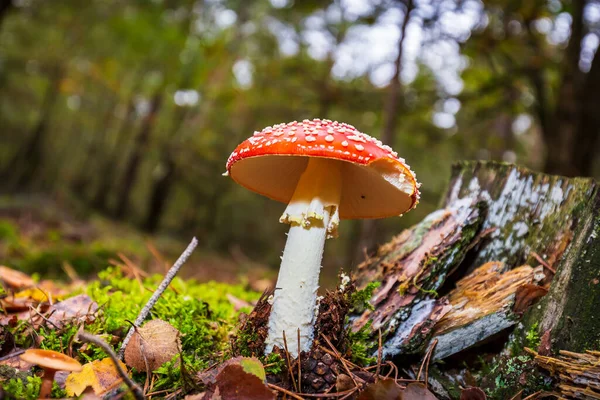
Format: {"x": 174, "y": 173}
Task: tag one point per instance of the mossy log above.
{"x": 491, "y": 212}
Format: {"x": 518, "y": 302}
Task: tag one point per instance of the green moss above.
{"x": 532, "y": 338}
{"x": 510, "y": 375}
{"x": 25, "y": 389}
{"x": 200, "y": 311}
{"x": 360, "y": 299}
{"x": 361, "y": 345}
{"x": 274, "y": 364}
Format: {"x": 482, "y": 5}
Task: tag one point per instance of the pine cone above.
{"x": 319, "y": 371}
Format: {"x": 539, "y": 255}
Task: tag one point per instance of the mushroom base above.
{"x": 295, "y": 298}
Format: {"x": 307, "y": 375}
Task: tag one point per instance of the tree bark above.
{"x": 560, "y": 136}
{"x": 110, "y": 166}
{"x": 492, "y": 212}
{"x": 135, "y": 158}
{"x": 588, "y": 133}
{"x": 24, "y": 166}
{"x": 5, "y": 6}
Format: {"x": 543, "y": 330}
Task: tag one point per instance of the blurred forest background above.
{"x": 129, "y": 109}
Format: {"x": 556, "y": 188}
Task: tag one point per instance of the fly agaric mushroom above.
{"x": 50, "y": 361}
{"x": 324, "y": 171}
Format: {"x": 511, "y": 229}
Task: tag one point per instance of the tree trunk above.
{"x": 370, "y": 228}
{"x": 26, "y": 163}
{"x": 110, "y": 166}
{"x": 135, "y": 158}
{"x": 5, "y": 6}
{"x": 560, "y": 136}
{"x": 588, "y": 134}
{"x": 497, "y": 221}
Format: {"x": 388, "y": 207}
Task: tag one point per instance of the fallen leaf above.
{"x": 417, "y": 391}
{"x": 385, "y": 389}
{"x": 76, "y": 310}
{"x": 251, "y": 365}
{"x": 101, "y": 375}
{"x": 234, "y": 383}
{"x": 527, "y": 295}
{"x": 15, "y": 279}
{"x": 155, "y": 343}
{"x": 472, "y": 393}
{"x": 545, "y": 347}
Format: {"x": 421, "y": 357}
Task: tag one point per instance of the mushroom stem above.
{"x": 313, "y": 216}
{"x": 47, "y": 381}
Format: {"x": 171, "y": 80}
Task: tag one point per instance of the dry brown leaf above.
{"x": 101, "y": 375}
{"x": 76, "y": 309}
{"x": 15, "y": 279}
{"x": 385, "y": 389}
{"x": 417, "y": 391}
{"x": 527, "y": 295}
{"x": 472, "y": 393}
{"x": 154, "y": 343}
{"x": 234, "y": 383}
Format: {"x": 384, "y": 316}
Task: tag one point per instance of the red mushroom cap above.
{"x": 376, "y": 183}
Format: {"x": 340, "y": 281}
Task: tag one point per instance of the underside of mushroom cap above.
{"x": 375, "y": 182}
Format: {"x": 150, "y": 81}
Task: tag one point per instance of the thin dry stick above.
{"x": 329, "y": 395}
{"x": 379, "y": 351}
{"x": 425, "y": 363}
{"x": 299, "y": 366}
{"x": 159, "y": 291}
{"x": 543, "y": 262}
{"x": 11, "y": 355}
{"x": 134, "y": 387}
{"x": 289, "y": 362}
{"x": 339, "y": 357}
{"x": 284, "y": 391}
{"x": 435, "y": 342}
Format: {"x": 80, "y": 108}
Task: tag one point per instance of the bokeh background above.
{"x": 124, "y": 112}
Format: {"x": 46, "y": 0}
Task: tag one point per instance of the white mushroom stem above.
{"x": 313, "y": 216}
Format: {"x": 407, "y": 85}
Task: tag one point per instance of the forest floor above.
{"x": 73, "y": 283}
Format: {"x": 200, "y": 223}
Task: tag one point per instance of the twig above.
{"x": 425, "y": 362}
{"x": 289, "y": 362}
{"x": 134, "y": 387}
{"x": 543, "y": 262}
{"x": 299, "y": 365}
{"x": 328, "y": 395}
{"x": 159, "y": 291}
{"x": 339, "y": 357}
{"x": 379, "y": 351}
{"x": 285, "y": 391}
{"x": 11, "y": 355}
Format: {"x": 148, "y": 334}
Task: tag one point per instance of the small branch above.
{"x": 285, "y": 391}
{"x": 159, "y": 291}
{"x": 135, "y": 389}
{"x": 289, "y": 362}
{"x": 543, "y": 262}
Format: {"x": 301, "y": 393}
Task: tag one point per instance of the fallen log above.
{"x": 492, "y": 212}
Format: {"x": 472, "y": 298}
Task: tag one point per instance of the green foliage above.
{"x": 27, "y": 389}
{"x": 360, "y": 299}
{"x": 532, "y": 337}
{"x": 361, "y": 345}
{"x": 8, "y": 232}
{"x": 273, "y": 363}
{"x": 200, "y": 311}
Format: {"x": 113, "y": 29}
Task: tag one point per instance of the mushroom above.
{"x": 50, "y": 361}
{"x": 324, "y": 171}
